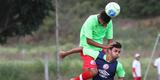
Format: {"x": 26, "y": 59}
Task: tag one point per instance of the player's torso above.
{"x": 106, "y": 70}
{"x": 99, "y": 32}
{"x": 137, "y": 65}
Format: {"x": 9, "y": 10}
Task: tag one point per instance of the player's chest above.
{"x": 99, "y": 31}
{"x": 105, "y": 69}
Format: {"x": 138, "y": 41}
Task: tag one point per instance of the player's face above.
{"x": 115, "y": 52}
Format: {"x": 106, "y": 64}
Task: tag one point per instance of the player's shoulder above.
{"x": 119, "y": 64}
{"x": 135, "y": 61}
{"x": 92, "y": 19}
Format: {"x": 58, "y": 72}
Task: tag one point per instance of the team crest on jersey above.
{"x": 92, "y": 62}
{"x": 105, "y": 66}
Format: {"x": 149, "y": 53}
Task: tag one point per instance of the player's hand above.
{"x": 62, "y": 54}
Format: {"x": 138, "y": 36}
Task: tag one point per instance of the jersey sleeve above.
{"x": 87, "y": 27}
{"x": 134, "y": 64}
{"x": 120, "y": 70}
{"x": 109, "y": 32}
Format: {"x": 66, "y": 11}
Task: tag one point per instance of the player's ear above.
{"x": 109, "y": 50}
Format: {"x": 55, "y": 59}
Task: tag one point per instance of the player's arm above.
{"x": 134, "y": 71}
{"x": 63, "y": 54}
{"x": 120, "y": 71}
{"x": 93, "y": 43}
{"x": 110, "y": 41}
{"x": 155, "y": 64}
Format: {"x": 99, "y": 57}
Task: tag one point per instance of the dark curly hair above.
{"x": 116, "y": 45}
{"x": 104, "y": 16}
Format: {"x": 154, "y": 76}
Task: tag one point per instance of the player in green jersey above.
{"x": 94, "y": 30}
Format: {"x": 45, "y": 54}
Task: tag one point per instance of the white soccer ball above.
{"x": 112, "y": 9}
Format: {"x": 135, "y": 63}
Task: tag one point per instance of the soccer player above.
{"x": 94, "y": 30}
{"x": 136, "y": 67}
{"x": 157, "y": 65}
{"x": 108, "y": 65}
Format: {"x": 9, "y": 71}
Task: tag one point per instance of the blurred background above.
{"x": 28, "y": 36}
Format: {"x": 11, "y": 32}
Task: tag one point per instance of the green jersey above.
{"x": 92, "y": 29}
{"x": 120, "y": 70}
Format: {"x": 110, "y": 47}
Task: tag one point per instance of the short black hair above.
{"x": 104, "y": 16}
{"x": 116, "y": 45}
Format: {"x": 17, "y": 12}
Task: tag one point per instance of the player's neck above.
{"x": 109, "y": 58}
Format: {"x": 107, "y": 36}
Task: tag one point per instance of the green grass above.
{"x": 25, "y": 62}
{"x": 31, "y": 67}
{"x": 20, "y": 70}
{"x": 70, "y": 67}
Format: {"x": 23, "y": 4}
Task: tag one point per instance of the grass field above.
{"x": 70, "y": 67}
{"x": 26, "y": 61}
{"x": 16, "y": 64}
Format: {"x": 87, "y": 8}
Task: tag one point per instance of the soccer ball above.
{"x": 112, "y": 9}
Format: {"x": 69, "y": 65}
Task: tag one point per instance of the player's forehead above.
{"x": 117, "y": 49}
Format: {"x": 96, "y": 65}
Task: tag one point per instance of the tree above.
{"x": 140, "y": 8}
{"x": 22, "y": 17}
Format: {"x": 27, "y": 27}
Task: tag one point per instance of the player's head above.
{"x": 115, "y": 45}
{"x": 104, "y": 18}
{"x": 115, "y": 49}
{"x": 137, "y": 56}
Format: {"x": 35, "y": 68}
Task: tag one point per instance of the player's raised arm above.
{"x": 91, "y": 42}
